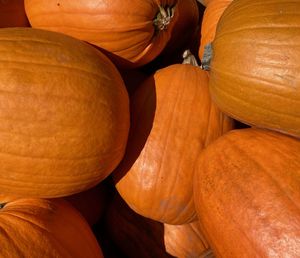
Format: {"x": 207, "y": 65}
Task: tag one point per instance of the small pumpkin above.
{"x": 44, "y": 228}
{"x": 64, "y": 114}
{"x": 247, "y": 194}
{"x": 173, "y": 119}
{"x": 185, "y": 241}
{"x": 133, "y": 32}
{"x": 254, "y": 71}
{"x": 12, "y": 14}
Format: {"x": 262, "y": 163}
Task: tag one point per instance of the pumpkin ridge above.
{"x": 37, "y": 226}
{"x": 228, "y": 211}
{"x": 246, "y": 103}
{"x": 175, "y": 103}
{"x": 253, "y": 78}
{"x": 247, "y": 29}
{"x": 12, "y": 240}
{"x": 55, "y": 65}
{"x": 118, "y": 29}
{"x": 266, "y": 170}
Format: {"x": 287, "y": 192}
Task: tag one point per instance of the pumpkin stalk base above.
{"x": 207, "y": 56}
{"x": 163, "y": 18}
{"x": 189, "y": 58}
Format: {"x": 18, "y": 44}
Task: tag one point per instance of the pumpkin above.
{"x": 133, "y": 32}
{"x": 173, "y": 119}
{"x": 64, "y": 114}
{"x": 92, "y": 203}
{"x": 185, "y": 241}
{"x": 135, "y": 235}
{"x": 185, "y": 29}
{"x": 254, "y": 71}
{"x": 211, "y": 17}
{"x": 37, "y": 228}
{"x": 12, "y": 14}
{"x": 247, "y": 194}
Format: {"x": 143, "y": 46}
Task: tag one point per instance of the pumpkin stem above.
{"x": 2, "y": 205}
{"x": 163, "y": 17}
{"x": 189, "y": 58}
{"x": 207, "y": 56}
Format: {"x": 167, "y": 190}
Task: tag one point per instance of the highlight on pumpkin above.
{"x": 141, "y": 129}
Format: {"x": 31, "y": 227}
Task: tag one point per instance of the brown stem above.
{"x": 163, "y": 17}
{"x": 189, "y": 58}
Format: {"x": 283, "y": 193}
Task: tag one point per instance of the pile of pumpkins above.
{"x": 151, "y": 128}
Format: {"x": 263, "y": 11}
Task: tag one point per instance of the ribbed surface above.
{"x": 247, "y": 194}
{"x": 64, "y": 114}
{"x": 124, "y": 28}
{"x": 173, "y": 119}
{"x": 33, "y": 228}
{"x": 185, "y": 241}
{"x": 255, "y": 71}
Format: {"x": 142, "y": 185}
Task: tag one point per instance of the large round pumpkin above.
{"x": 37, "y": 228}
{"x": 12, "y": 14}
{"x": 186, "y": 241}
{"x": 255, "y": 72}
{"x": 173, "y": 119}
{"x": 64, "y": 114}
{"x": 133, "y": 32}
{"x": 247, "y": 194}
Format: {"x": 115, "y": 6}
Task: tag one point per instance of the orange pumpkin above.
{"x": 212, "y": 14}
{"x": 64, "y": 114}
{"x": 185, "y": 241}
{"x": 255, "y": 72}
{"x": 12, "y": 14}
{"x": 44, "y": 228}
{"x": 133, "y": 32}
{"x": 135, "y": 235}
{"x": 247, "y": 194}
{"x": 173, "y": 119}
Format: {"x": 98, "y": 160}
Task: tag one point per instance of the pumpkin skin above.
{"x": 247, "y": 191}
{"x": 38, "y": 227}
{"x": 125, "y": 29}
{"x": 135, "y": 235}
{"x": 64, "y": 114}
{"x": 255, "y": 76}
{"x": 173, "y": 119}
{"x": 185, "y": 29}
{"x": 211, "y": 17}
{"x": 185, "y": 241}
{"x": 12, "y": 14}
